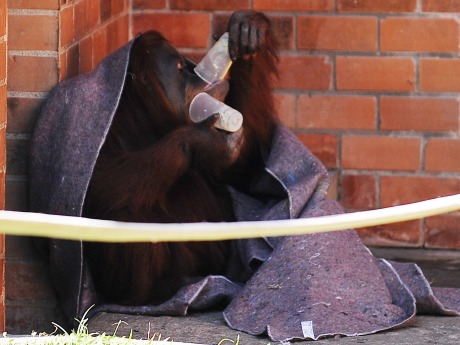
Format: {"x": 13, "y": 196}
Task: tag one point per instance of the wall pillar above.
{"x": 3, "y": 42}
{"x": 49, "y": 40}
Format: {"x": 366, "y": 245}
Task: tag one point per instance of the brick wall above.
{"x": 90, "y": 30}
{"x": 32, "y": 71}
{"x": 370, "y": 86}
{"x": 48, "y": 41}
{"x": 3, "y": 43}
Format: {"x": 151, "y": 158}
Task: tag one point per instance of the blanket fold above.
{"x": 294, "y": 287}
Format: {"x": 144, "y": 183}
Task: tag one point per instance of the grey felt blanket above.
{"x": 298, "y": 287}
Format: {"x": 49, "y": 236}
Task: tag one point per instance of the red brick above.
{"x": 401, "y": 234}
{"x": 333, "y": 190}
{"x": 86, "y": 54}
{"x": 443, "y": 155}
{"x": 337, "y": 33}
{"x": 293, "y": 5}
{"x": 209, "y": 5}
{"x": 105, "y": 10}
{"x": 442, "y": 231}
{"x": 305, "y": 72}
{"x": 99, "y": 44}
{"x": 117, "y": 7}
{"x": 3, "y": 58}
{"x": 220, "y": 24}
{"x": 420, "y": 114}
{"x": 375, "y": 73}
{"x": 117, "y": 33}
{"x": 285, "y": 108}
{"x": 376, "y": 5}
{"x": 359, "y": 192}
{"x": 2, "y": 250}
{"x": 172, "y": 26}
{"x": 441, "y": 75}
{"x": 397, "y": 190}
{"x": 11, "y": 152}
{"x": 3, "y": 317}
{"x": 17, "y": 196}
{"x": 419, "y": 34}
{"x": 92, "y": 14}
{"x": 380, "y": 152}
{"x": 441, "y": 5}
{"x": 20, "y": 248}
{"x": 34, "y": 4}
{"x": 3, "y": 11}
{"x": 149, "y": 4}
{"x": 80, "y": 20}
{"x": 32, "y": 32}
{"x": 22, "y": 114}
{"x": 283, "y": 30}
{"x": 24, "y": 317}
{"x": 32, "y": 73}
{"x": 66, "y": 26}
{"x": 2, "y": 198}
{"x": 336, "y": 112}
{"x": 323, "y": 146}
{"x": 2, "y": 296}
{"x": 73, "y": 61}
{"x": 27, "y": 280}
{"x": 18, "y": 152}
{"x": 3, "y": 107}
{"x": 62, "y": 65}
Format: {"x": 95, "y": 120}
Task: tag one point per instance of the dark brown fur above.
{"x": 156, "y": 166}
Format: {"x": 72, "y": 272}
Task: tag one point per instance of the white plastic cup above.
{"x": 216, "y": 63}
{"x": 204, "y": 105}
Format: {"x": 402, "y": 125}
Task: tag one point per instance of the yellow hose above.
{"x": 76, "y": 228}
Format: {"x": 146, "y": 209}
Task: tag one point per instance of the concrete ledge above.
{"x": 441, "y": 267}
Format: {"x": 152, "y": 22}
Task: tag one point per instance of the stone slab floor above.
{"x": 442, "y": 268}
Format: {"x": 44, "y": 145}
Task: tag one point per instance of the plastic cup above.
{"x": 216, "y": 63}
{"x": 204, "y": 105}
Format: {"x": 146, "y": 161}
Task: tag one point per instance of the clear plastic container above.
{"x": 216, "y": 63}
{"x": 204, "y": 105}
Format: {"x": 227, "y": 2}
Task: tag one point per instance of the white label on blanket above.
{"x": 307, "y": 329}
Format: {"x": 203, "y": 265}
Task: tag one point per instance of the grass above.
{"x": 82, "y": 336}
